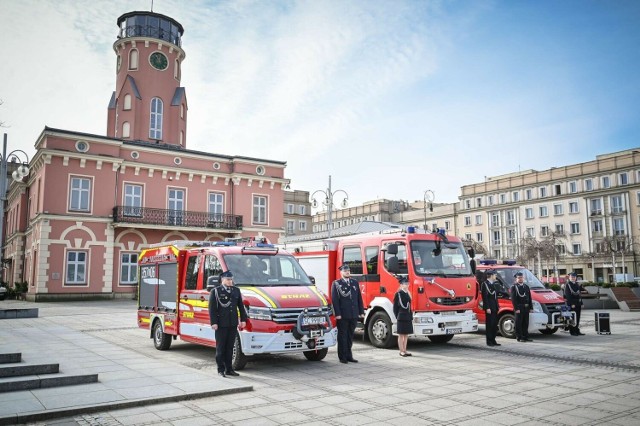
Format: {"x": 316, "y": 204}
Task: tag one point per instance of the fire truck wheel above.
{"x": 316, "y": 355}
{"x": 379, "y": 331}
{"x": 441, "y": 339}
{"x": 239, "y": 360}
{"x": 507, "y": 326}
{"x": 161, "y": 340}
{"x": 548, "y": 330}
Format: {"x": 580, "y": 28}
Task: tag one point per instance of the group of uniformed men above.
{"x": 522, "y": 304}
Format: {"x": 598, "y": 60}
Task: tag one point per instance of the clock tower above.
{"x": 148, "y": 104}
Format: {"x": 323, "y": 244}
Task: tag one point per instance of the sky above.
{"x": 391, "y": 98}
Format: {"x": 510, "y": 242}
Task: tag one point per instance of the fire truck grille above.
{"x": 290, "y": 315}
{"x": 300, "y": 345}
{"x": 448, "y": 301}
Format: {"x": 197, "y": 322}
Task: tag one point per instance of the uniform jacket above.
{"x": 226, "y": 316}
{"x": 572, "y": 293}
{"x": 518, "y": 301}
{"x": 347, "y": 299}
{"x": 490, "y": 293}
{"x": 401, "y": 313}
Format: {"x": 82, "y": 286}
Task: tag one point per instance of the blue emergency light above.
{"x": 411, "y": 229}
{"x": 509, "y": 262}
{"x": 488, "y": 262}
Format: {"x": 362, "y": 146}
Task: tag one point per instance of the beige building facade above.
{"x": 297, "y": 213}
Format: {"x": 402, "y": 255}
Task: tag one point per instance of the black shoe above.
{"x": 231, "y": 373}
{"x": 497, "y": 344}
{"x": 491, "y": 344}
{"x": 344, "y": 361}
{"x": 221, "y": 373}
{"x": 521, "y": 340}
{"x": 352, "y": 360}
{"x": 528, "y": 340}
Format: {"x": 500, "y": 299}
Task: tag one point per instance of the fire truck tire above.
{"x": 441, "y": 339}
{"x": 161, "y": 340}
{"x": 548, "y": 330}
{"x": 239, "y": 360}
{"x": 316, "y": 355}
{"x": 507, "y": 326}
{"x": 380, "y": 332}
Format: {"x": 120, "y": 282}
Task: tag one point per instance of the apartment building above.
{"x": 297, "y": 213}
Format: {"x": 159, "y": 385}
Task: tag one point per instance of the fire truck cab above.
{"x": 546, "y": 315}
{"x": 286, "y": 312}
{"x": 443, "y": 287}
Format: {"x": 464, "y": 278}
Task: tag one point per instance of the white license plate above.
{"x": 316, "y": 333}
{"x": 454, "y": 330}
{"x": 313, "y": 320}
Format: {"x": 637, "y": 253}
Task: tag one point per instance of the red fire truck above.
{"x": 547, "y": 313}
{"x": 286, "y": 312}
{"x": 443, "y": 286}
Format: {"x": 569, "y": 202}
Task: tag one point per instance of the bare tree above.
{"x": 2, "y": 122}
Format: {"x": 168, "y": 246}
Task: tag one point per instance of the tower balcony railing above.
{"x": 151, "y": 31}
{"x": 180, "y": 218}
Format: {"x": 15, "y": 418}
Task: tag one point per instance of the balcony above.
{"x": 180, "y": 218}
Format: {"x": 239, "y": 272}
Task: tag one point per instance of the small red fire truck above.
{"x": 546, "y": 314}
{"x": 286, "y": 312}
{"x": 443, "y": 287}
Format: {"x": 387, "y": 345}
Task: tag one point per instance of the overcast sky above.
{"x": 391, "y": 98}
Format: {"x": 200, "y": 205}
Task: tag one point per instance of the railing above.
{"x": 151, "y": 216}
{"x": 151, "y": 31}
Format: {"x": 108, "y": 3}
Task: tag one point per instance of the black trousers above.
{"x": 522, "y": 323}
{"x": 225, "y": 337}
{"x": 578, "y": 309}
{"x": 492, "y": 325}
{"x": 346, "y": 330}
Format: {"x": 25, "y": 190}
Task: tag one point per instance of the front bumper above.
{"x": 282, "y": 342}
{"x": 437, "y": 324}
{"x": 537, "y": 321}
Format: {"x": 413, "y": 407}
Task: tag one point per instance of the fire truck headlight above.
{"x": 537, "y": 307}
{"x": 423, "y": 320}
{"x": 259, "y": 313}
{"x": 467, "y": 299}
{"x": 439, "y": 300}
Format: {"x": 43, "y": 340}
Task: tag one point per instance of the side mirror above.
{"x": 472, "y": 253}
{"x": 392, "y": 249}
{"x": 392, "y": 265}
{"x": 212, "y": 282}
{"x": 313, "y": 279}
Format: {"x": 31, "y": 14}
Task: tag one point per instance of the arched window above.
{"x": 126, "y": 129}
{"x": 133, "y": 59}
{"x": 176, "y": 70}
{"x": 127, "y": 102}
{"x": 181, "y": 137}
{"x": 155, "y": 122}
{"x": 181, "y": 110}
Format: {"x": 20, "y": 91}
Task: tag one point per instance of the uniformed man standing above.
{"x": 225, "y": 301}
{"x": 490, "y": 294}
{"x": 521, "y": 299}
{"x": 573, "y": 296}
{"x": 348, "y": 307}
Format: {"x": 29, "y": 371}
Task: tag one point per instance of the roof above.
{"x": 353, "y": 229}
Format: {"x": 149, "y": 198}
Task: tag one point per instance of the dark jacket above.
{"x": 401, "y": 313}
{"x": 572, "y": 293}
{"x": 226, "y": 316}
{"x": 521, "y": 302}
{"x": 490, "y": 293}
{"x": 347, "y": 299}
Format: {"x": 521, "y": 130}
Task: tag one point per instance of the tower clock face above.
{"x": 158, "y": 61}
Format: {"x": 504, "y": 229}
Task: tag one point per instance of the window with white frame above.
{"x": 511, "y": 236}
{"x": 623, "y": 178}
{"x": 511, "y": 218}
{"x": 557, "y": 209}
{"x": 128, "y": 268}
{"x": 126, "y": 129}
{"x": 479, "y": 237}
{"x": 155, "y": 120}
{"x": 618, "y": 226}
{"x": 515, "y": 196}
{"x": 544, "y": 231}
{"x": 490, "y": 198}
{"x": 557, "y": 189}
{"x": 573, "y": 187}
{"x": 80, "y": 194}
{"x": 606, "y": 182}
{"x": 495, "y": 219}
{"x": 588, "y": 184}
{"x": 291, "y": 224}
{"x": 544, "y": 212}
{"x": 467, "y": 203}
{"x": 573, "y": 207}
{"x": 496, "y": 238}
{"x": 497, "y": 254}
{"x": 577, "y": 249}
{"x": 561, "y": 249}
{"x": 478, "y": 219}
{"x": 528, "y": 213}
{"x": 447, "y": 225}
{"x": 467, "y": 221}
{"x": 133, "y": 59}
{"x": 302, "y": 209}
{"x": 531, "y": 232}
{"x": 259, "y": 209}
{"x": 290, "y": 208}
{"x": 528, "y": 194}
{"x": 216, "y": 206}
{"x": 302, "y": 225}
{"x": 617, "y": 205}
{"x": 503, "y": 198}
{"x": 76, "y": 267}
{"x": 575, "y": 228}
{"x": 126, "y": 104}
{"x": 596, "y": 206}
{"x": 467, "y": 236}
{"x": 132, "y": 200}
{"x": 596, "y": 226}
{"x": 638, "y": 198}
{"x": 559, "y": 228}
{"x": 542, "y": 191}
{"x": 478, "y": 202}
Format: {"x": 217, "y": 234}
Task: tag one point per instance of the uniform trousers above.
{"x": 578, "y": 309}
{"x": 522, "y": 323}
{"x": 225, "y": 338}
{"x": 346, "y": 329}
{"x": 492, "y": 325}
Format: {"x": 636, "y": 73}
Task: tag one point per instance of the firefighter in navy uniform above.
{"x": 490, "y": 294}
{"x": 347, "y": 307}
{"x": 225, "y": 302}
{"x": 521, "y": 299}
{"x": 573, "y": 296}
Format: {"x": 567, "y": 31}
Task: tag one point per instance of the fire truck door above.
{"x": 194, "y": 301}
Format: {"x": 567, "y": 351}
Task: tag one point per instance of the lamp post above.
{"x": 328, "y": 201}
{"x": 428, "y": 198}
{"x": 20, "y": 172}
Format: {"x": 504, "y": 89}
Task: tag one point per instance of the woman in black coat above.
{"x": 404, "y": 316}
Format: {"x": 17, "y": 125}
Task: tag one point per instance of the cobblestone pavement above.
{"x": 555, "y": 380}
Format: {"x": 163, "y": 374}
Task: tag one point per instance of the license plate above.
{"x": 316, "y": 333}
{"x": 313, "y": 320}
{"x": 454, "y": 330}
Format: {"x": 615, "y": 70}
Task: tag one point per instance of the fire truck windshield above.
{"x": 506, "y": 276}
{"x": 444, "y": 259}
{"x": 266, "y": 270}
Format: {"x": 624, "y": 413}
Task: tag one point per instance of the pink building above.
{"x": 75, "y": 224}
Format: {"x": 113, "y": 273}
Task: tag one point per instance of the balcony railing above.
{"x": 150, "y": 216}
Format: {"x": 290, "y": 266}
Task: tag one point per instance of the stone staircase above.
{"x": 18, "y": 376}
{"x": 626, "y": 298}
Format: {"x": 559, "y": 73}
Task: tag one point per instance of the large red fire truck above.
{"x": 286, "y": 312}
{"x": 547, "y": 313}
{"x": 443, "y": 287}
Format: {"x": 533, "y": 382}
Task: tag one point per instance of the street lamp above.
{"x": 20, "y": 172}
{"x": 328, "y": 201}
{"x": 428, "y": 197}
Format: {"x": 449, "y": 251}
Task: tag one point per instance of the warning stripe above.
{"x": 320, "y": 296}
{"x": 265, "y": 298}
